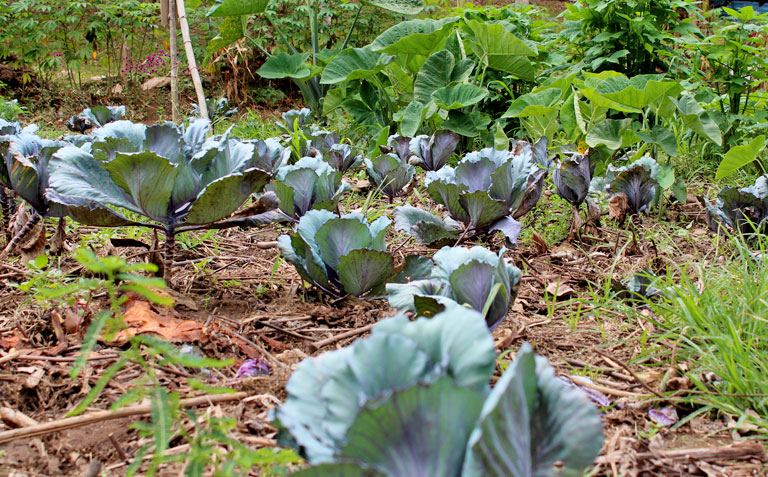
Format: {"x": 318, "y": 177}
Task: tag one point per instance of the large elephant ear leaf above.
{"x": 147, "y": 178}
{"x": 418, "y": 431}
{"x": 354, "y": 63}
{"x": 363, "y": 270}
{"x": 698, "y": 119}
{"x": 404, "y": 7}
{"x": 286, "y": 65}
{"x": 337, "y": 237}
{"x": 422, "y": 36}
{"x": 433, "y": 75}
{"x": 532, "y": 421}
{"x": 223, "y": 196}
{"x": 236, "y": 8}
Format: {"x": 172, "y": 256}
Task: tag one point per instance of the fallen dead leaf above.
{"x": 538, "y": 241}
{"x": 140, "y": 319}
{"x": 33, "y": 243}
{"x": 10, "y": 342}
{"x": 560, "y": 289}
{"x": 618, "y": 206}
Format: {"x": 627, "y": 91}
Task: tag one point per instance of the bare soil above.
{"x": 249, "y": 308}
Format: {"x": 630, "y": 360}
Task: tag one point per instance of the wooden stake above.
{"x": 182, "y": 13}
{"x": 171, "y": 20}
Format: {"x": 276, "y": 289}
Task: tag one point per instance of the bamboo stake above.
{"x": 182, "y": 13}
{"x": 171, "y": 20}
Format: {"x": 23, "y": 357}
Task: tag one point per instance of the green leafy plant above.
{"x": 10, "y": 109}
{"x": 218, "y": 110}
{"x": 426, "y": 73}
{"x": 744, "y": 211}
{"x": 174, "y": 178}
{"x": 731, "y": 63}
{"x": 294, "y": 64}
{"x": 637, "y": 37}
{"x": 115, "y": 277}
{"x": 485, "y": 193}
{"x": 390, "y": 174}
{"x": 95, "y": 117}
{"x": 476, "y": 277}
{"x": 309, "y": 184}
{"x": 427, "y": 410}
{"x": 339, "y": 255}
{"x": 712, "y": 313}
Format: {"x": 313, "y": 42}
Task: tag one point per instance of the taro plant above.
{"x": 390, "y": 174}
{"x": 174, "y": 178}
{"x": 474, "y": 277}
{"x": 301, "y": 67}
{"x": 743, "y": 211}
{"x": 427, "y": 74}
{"x": 427, "y": 409}
{"x": 431, "y": 152}
{"x": 486, "y": 192}
{"x": 95, "y": 117}
{"x": 309, "y": 184}
{"x": 339, "y": 255}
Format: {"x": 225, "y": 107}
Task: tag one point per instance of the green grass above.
{"x": 251, "y": 125}
{"x": 714, "y": 318}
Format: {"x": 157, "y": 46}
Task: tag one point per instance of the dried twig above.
{"x": 634, "y": 375}
{"x": 99, "y": 416}
{"x": 319, "y": 344}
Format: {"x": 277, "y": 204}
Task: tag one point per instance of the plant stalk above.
{"x": 352, "y": 28}
{"x": 5, "y": 203}
{"x": 170, "y": 244}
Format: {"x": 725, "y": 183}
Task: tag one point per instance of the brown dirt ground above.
{"x": 250, "y": 309}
